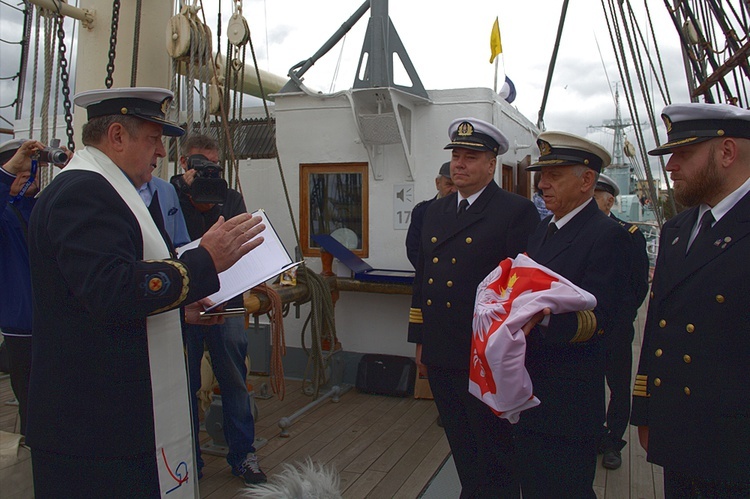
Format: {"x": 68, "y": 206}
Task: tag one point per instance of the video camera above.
{"x": 52, "y": 154}
{"x": 208, "y": 186}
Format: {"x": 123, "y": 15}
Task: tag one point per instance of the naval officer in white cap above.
{"x": 691, "y": 399}
{"x": 108, "y": 404}
{"x": 556, "y": 442}
{"x": 465, "y": 236}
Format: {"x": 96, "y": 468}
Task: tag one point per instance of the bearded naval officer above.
{"x": 691, "y": 399}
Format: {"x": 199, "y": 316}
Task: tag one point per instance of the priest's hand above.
{"x": 229, "y": 241}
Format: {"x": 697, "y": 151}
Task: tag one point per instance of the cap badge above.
{"x": 544, "y": 147}
{"x": 465, "y": 129}
{"x": 667, "y": 122}
{"x": 165, "y": 105}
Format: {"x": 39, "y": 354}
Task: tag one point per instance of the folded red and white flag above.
{"x": 506, "y": 299}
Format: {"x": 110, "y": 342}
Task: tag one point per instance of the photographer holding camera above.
{"x": 18, "y": 186}
{"x": 204, "y": 196}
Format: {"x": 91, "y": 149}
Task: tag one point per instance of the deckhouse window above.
{"x": 334, "y": 201}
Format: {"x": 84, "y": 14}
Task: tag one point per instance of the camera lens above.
{"x": 55, "y": 156}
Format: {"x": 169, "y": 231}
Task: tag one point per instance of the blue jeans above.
{"x": 227, "y": 345}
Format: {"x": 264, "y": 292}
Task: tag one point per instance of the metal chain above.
{"x": 112, "y": 43}
{"x": 65, "y": 86}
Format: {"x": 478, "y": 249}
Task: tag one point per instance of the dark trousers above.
{"x": 555, "y": 466}
{"x": 57, "y": 476}
{"x": 618, "y": 366}
{"x": 19, "y": 357}
{"x": 481, "y": 442}
{"x": 686, "y": 486}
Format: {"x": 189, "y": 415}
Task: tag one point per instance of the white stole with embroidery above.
{"x": 169, "y": 387}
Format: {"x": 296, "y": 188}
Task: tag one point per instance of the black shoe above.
{"x": 249, "y": 471}
{"x": 612, "y": 459}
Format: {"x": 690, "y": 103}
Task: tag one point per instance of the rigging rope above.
{"x": 38, "y": 21}
{"x": 136, "y": 39}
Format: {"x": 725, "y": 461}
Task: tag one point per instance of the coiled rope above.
{"x": 276, "y": 319}
{"x": 322, "y": 331}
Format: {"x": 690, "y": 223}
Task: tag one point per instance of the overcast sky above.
{"x": 448, "y": 43}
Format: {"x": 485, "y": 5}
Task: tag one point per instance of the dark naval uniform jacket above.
{"x": 692, "y": 387}
{"x": 414, "y": 234}
{"x": 91, "y": 376}
{"x": 637, "y": 281}
{"x": 457, "y": 253}
{"x": 565, "y": 359}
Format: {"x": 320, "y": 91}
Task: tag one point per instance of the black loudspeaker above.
{"x": 386, "y": 375}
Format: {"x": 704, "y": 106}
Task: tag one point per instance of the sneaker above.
{"x": 612, "y": 459}
{"x": 249, "y": 471}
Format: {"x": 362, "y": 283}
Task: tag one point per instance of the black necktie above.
{"x": 706, "y": 222}
{"x": 462, "y": 206}
{"x": 551, "y": 229}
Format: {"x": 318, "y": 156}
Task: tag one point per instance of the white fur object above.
{"x": 307, "y": 480}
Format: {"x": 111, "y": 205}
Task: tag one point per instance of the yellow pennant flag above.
{"x": 496, "y": 46}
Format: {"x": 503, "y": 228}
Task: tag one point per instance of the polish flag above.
{"x": 506, "y": 299}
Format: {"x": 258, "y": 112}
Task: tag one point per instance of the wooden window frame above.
{"x": 307, "y": 169}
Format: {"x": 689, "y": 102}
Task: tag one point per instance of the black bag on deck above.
{"x": 386, "y": 375}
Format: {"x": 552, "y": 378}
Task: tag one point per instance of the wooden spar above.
{"x": 258, "y": 303}
{"x": 86, "y": 16}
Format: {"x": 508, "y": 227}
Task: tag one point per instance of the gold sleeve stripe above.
{"x": 586, "y": 326}
{"x": 640, "y": 387}
{"x": 180, "y": 267}
{"x": 415, "y": 316}
{"x": 633, "y": 229}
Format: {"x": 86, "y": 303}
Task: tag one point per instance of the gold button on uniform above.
{"x": 430, "y": 281}
{"x": 662, "y": 323}
{"x": 468, "y": 240}
{"x": 658, "y": 352}
{"x": 449, "y": 284}
{"x": 689, "y": 328}
{"x": 429, "y": 302}
{"x": 687, "y": 359}
{"x": 453, "y": 261}
{"x": 657, "y": 382}
{"x": 719, "y": 299}
{"x": 434, "y": 239}
{"x": 686, "y": 390}
{"x": 448, "y": 305}
{"x": 435, "y": 260}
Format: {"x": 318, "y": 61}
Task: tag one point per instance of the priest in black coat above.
{"x": 464, "y": 237}
{"x": 108, "y": 406}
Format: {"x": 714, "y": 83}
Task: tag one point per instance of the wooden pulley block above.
{"x": 215, "y": 92}
{"x": 238, "y": 32}
{"x": 178, "y": 36}
{"x": 691, "y": 34}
